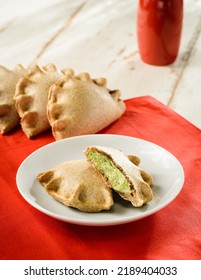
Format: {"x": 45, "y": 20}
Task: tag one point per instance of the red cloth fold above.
{"x": 172, "y": 233}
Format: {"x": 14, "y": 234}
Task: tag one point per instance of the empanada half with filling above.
{"x": 80, "y": 105}
{"x": 77, "y": 184}
{"x": 9, "y": 117}
{"x": 31, "y": 98}
{"x": 121, "y": 174}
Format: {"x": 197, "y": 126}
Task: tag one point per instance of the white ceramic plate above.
{"x": 166, "y": 170}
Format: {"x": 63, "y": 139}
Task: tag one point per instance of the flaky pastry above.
{"x": 80, "y": 105}
{"x": 77, "y": 184}
{"x": 9, "y": 117}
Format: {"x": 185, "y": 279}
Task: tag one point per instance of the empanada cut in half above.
{"x": 77, "y": 184}
{"x": 31, "y": 98}
{"x": 80, "y": 105}
{"x": 121, "y": 174}
{"x": 9, "y": 117}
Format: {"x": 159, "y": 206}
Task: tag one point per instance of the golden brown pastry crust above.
{"x": 9, "y": 117}
{"x": 80, "y": 105}
{"x": 31, "y": 98}
{"x": 77, "y": 184}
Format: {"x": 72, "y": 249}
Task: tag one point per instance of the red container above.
{"x": 159, "y": 26}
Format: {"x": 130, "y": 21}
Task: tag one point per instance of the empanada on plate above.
{"x": 77, "y": 184}
{"x": 31, "y": 98}
{"x": 9, "y": 117}
{"x": 80, "y": 105}
{"x": 121, "y": 174}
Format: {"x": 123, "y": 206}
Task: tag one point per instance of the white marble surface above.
{"x": 100, "y": 37}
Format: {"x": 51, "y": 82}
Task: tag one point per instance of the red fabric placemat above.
{"x": 172, "y": 233}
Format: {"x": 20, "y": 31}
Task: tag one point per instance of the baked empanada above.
{"x": 80, "y": 105}
{"x": 9, "y": 117}
{"x": 121, "y": 174}
{"x": 31, "y": 98}
{"x": 77, "y": 184}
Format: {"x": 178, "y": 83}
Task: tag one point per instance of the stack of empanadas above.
{"x": 41, "y": 98}
{"x": 87, "y": 184}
